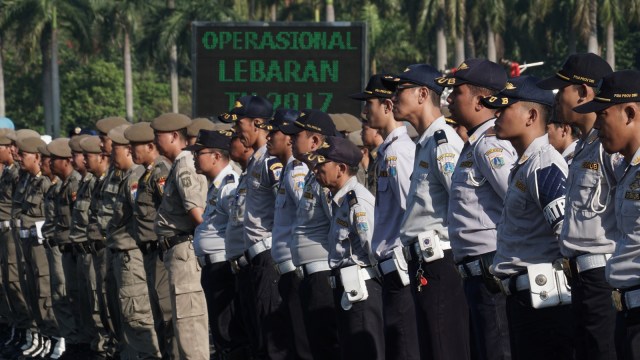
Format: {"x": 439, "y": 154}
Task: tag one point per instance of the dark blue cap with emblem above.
{"x": 214, "y": 139}
{"x": 338, "y": 150}
{"x": 419, "y": 74}
{"x": 578, "y": 69}
{"x": 522, "y": 88}
{"x": 616, "y": 88}
{"x": 248, "y": 106}
{"x": 377, "y": 88}
{"x": 477, "y": 72}
{"x": 311, "y": 120}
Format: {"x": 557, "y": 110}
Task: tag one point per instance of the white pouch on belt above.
{"x": 542, "y": 285}
{"x": 355, "y": 288}
{"x": 429, "y": 246}
{"x": 401, "y": 265}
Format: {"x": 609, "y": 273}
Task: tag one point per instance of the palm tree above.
{"x": 173, "y": 66}
{"x": 457, "y": 13}
{"x": 35, "y": 24}
{"x": 495, "y": 18}
{"x": 436, "y": 13}
{"x": 117, "y": 19}
{"x": 609, "y": 14}
{"x": 330, "y": 12}
{"x": 2, "y": 101}
{"x": 586, "y": 23}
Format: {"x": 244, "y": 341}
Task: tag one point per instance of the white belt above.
{"x": 259, "y": 247}
{"x": 285, "y": 267}
{"x": 312, "y": 268}
{"x": 472, "y": 268}
{"x": 591, "y": 261}
{"x": 522, "y": 283}
{"x": 24, "y": 233}
{"x": 388, "y": 266}
{"x": 5, "y": 225}
{"x": 445, "y": 245}
{"x": 368, "y": 273}
{"x": 212, "y": 259}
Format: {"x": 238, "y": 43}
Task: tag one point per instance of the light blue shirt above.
{"x": 428, "y": 199}
{"x": 287, "y": 200}
{"x": 209, "y": 235}
{"x": 478, "y": 187}
{"x": 533, "y": 210}
{"x": 352, "y": 226}
{"x": 394, "y": 165}
{"x": 234, "y": 237}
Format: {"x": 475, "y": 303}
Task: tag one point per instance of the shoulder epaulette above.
{"x": 297, "y": 163}
{"x": 441, "y": 137}
{"x": 229, "y": 179}
{"x": 351, "y": 198}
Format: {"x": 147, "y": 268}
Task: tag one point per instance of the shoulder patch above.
{"x": 495, "y": 157}
{"x": 185, "y": 181}
{"x": 351, "y": 198}
{"x": 441, "y": 137}
{"x": 134, "y": 190}
{"x": 275, "y": 169}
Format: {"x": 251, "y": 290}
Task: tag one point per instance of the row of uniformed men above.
{"x": 95, "y": 251}
{"x": 490, "y": 248}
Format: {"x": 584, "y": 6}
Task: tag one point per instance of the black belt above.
{"x": 171, "y": 241}
{"x": 48, "y": 243}
{"x": 97, "y": 245}
{"x": 66, "y": 248}
{"x": 148, "y": 246}
{"x": 83, "y": 247}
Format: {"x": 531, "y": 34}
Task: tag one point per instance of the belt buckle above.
{"x": 235, "y": 268}
{"x": 300, "y": 272}
{"x": 616, "y": 297}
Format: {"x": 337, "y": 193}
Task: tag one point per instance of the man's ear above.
{"x": 631, "y": 112}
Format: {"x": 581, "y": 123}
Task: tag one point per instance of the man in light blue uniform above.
{"x": 589, "y": 229}
{"x": 289, "y": 194}
{"x": 528, "y": 260}
{"x": 443, "y": 319}
{"x": 357, "y": 286}
{"x": 310, "y": 247}
{"x": 618, "y": 117}
{"x": 393, "y": 166}
{"x": 263, "y": 173}
{"x": 211, "y": 154}
{"x": 475, "y": 203}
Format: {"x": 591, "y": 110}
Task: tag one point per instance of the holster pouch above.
{"x": 401, "y": 265}
{"x": 542, "y": 285}
{"x": 486, "y": 260}
{"x": 429, "y": 246}
{"x": 355, "y": 288}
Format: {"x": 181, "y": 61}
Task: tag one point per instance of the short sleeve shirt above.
{"x": 121, "y": 228}
{"x": 149, "y": 197}
{"x": 183, "y": 191}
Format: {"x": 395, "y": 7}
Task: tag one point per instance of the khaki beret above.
{"x": 91, "y": 145}
{"x": 139, "y": 133}
{"x": 106, "y": 124}
{"x": 346, "y": 122}
{"x": 356, "y": 138}
{"x": 170, "y": 122}
{"x": 30, "y": 144}
{"x": 22, "y": 134}
{"x": 4, "y": 140}
{"x": 199, "y": 124}
{"x": 222, "y": 126}
{"x": 74, "y": 143}
{"x": 117, "y": 134}
{"x": 60, "y": 148}
{"x": 42, "y": 149}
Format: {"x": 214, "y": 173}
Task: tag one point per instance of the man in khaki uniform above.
{"x": 31, "y": 218}
{"x": 128, "y": 265}
{"x": 75, "y": 262}
{"x": 103, "y": 200}
{"x": 59, "y": 245}
{"x": 13, "y": 272}
{"x": 179, "y": 213}
{"x": 55, "y": 346}
{"x": 147, "y": 200}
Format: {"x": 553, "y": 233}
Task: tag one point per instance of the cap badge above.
{"x": 509, "y": 86}
{"x": 406, "y": 69}
{"x": 462, "y": 66}
{"x": 238, "y": 104}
